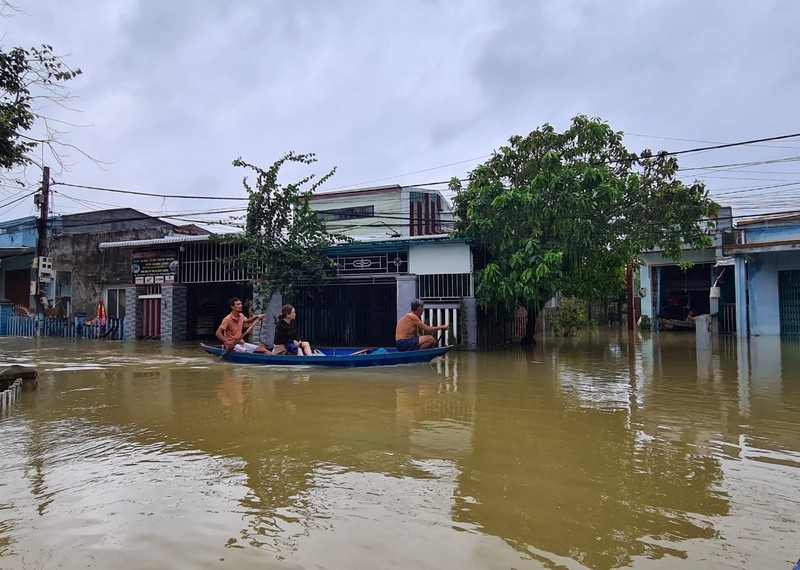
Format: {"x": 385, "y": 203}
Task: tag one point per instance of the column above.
{"x": 173, "y": 312}
{"x": 740, "y": 279}
{"x": 406, "y": 292}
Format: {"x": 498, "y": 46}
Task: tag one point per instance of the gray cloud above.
{"x": 173, "y": 91}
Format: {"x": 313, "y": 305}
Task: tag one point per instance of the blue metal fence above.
{"x": 114, "y": 329}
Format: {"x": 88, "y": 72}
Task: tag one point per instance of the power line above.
{"x": 118, "y": 191}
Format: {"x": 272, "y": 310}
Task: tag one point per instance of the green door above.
{"x": 789, "y": 307}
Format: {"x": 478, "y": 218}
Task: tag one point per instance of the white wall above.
{"x": 439, "y": 259}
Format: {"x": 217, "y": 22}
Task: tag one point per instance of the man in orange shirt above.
{"x": 407, "y": 332}
{"x": 230, "y": 331}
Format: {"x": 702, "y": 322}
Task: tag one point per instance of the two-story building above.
{"x": 402, "y": 251}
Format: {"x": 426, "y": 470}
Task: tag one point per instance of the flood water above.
{"x": 592, "y": 452}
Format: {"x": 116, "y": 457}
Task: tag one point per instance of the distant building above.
{"x": 749, "y": 278}
{"x": 82, "y": 274}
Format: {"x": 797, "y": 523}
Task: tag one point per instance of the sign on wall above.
{"x": 150, "y": 267}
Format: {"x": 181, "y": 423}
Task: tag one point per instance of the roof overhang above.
{"x": 169, "y": 240}
{"x": 6, "y": 252}
{"x": 761, "y": 247}
{"x": 392, "y": 244}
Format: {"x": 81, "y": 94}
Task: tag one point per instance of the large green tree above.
{"x": 567, "y": 211}
{"x": 283, "y": 241}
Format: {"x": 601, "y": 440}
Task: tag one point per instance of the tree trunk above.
{"x": 530, "y": 329}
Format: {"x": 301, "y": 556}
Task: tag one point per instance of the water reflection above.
{"x": 597, "y": 452}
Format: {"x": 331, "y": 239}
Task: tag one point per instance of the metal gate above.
{"x": 789, "y": 302}
{"x": 151, "y": 316}
{"x": 348, "y": 315}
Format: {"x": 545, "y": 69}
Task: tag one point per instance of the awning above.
{"x": 169, "y": 240}
{"x": 6, "y": 252}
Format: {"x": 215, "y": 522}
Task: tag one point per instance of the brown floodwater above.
{"x": 582, "y": 453}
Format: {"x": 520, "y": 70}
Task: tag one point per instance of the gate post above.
{"x": 406, "y": 292}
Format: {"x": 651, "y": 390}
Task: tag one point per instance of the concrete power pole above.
{"x": 43, "y": 201}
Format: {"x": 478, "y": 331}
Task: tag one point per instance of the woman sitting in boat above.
{"x": 286, "y": 341}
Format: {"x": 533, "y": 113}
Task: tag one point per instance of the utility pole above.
{"x": 43, "y": 201}
{"x": 631, "y": 305}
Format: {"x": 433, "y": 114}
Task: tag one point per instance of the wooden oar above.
{"x": 360, "y": 352}
{"x": 244, "y": 334}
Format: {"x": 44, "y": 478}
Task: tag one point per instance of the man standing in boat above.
{"x": 230, "y": 331}
{"x": 407, "y": 332}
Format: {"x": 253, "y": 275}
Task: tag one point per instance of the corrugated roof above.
{"x": 156, "y": 241}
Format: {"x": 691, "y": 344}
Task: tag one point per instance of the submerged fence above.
{"x": 114, "y": 329}
{"x": 9, "y": 397}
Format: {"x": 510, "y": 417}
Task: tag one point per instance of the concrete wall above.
{"x": 439, "y": 259}
{"x": 764, "y": 308}
{"x": 19, "y": 233}
{"x": 94, "y": 269}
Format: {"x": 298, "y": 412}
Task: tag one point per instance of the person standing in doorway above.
{"x": 407, "y": 336}
{"x": 230, "y": 330}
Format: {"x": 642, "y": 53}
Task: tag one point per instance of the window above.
{"x": 115, "y": 303}
{"x": 347, "y": 213}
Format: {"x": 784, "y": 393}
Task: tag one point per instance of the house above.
{"x": 669, "y": 290}
{"x": 766, "y": 262}
{"x": 749, "y": 278}
{"x": 18, "y": 240}
{"x": 402, "y": 251}
{"x": 74, "y": 274}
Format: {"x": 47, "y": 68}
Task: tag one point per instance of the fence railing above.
{"x": 727, "y": 321}
{"x": 114, "y": 329}
{"x": 442, "y": 314}
{"x": 8, "y": 397}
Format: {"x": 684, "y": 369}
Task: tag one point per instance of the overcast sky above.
{"x": 407, "y": 92}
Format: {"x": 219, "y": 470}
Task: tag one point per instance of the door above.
{"x": 18, "y": 287}
{"x": 151, "y": 318}
{"x": 789, "y": 302}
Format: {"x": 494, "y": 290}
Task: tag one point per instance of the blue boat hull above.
{"x": 336, "y": 357}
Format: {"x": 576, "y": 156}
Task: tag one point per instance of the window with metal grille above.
{"x": 445, "y": 286}
{"x": 352, "y": 213}
{"x": 208, "y": 262}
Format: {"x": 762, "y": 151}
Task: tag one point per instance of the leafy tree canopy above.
{"x": 284, "y": 240}
{"x": 29, "y": 78}
{"x": 568, "y": 211}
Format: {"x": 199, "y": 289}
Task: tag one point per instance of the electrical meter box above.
{"x": 45, "y": 269}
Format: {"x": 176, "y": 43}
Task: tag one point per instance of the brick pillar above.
{"x": 133, "y": 312}
{"x": 173, "y": 312}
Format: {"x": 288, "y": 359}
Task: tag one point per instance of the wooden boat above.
{"x": 674, "y": 324}
{"x": 337, "y": 357}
